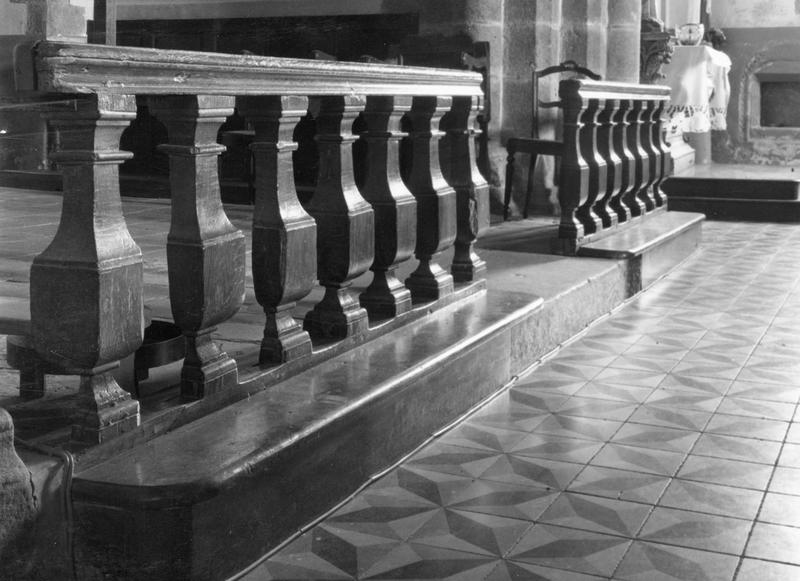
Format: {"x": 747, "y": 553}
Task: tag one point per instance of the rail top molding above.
{"x": 86, "y": 68}
{"x": 588, "y": 89}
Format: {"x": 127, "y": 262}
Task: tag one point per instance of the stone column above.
{"x": 624, "y": 26}
{"x": 584, "y": 33}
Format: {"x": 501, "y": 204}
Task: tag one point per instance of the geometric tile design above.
{"x": 662, "y": 445}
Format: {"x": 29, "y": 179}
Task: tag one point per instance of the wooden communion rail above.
{"x": 86, "y": 288}
{"x": 613, "y": 157}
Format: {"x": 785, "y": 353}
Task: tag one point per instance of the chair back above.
{"x": 565, "y": 67}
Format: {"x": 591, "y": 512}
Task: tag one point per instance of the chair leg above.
{"x": 509, "y": 180}
{"x": 529, "y": 186}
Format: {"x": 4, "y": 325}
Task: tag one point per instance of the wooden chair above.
{"x": 533, "y": 145}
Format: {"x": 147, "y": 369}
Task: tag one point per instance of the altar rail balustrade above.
{"x": 613, "y": 157}
{"x": 86, "y": 287}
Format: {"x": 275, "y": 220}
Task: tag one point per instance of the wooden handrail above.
{"x": 87, "y": 68}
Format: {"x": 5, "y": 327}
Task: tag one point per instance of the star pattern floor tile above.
{"x": 663, "y": 444}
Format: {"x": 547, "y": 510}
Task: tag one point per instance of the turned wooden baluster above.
{"x": 619, "y": 203}
{"x": 436, "y": 200}
{"x": 472, "y": 191}
{"x": 394, "y": 206}
{"x": 653, "y": 161}
{"x": 636, "y": 199}
{"x": 284, "y": 235}
{"x": 590, "y": 152}
{"x": 205, "y": 252}
{"x": 86, "y": 286}
{"x": 574, "y": 189}
{"x": 611, "y": 188}
{"x": 665, "y": 157}
{"x": 345, "y": 223}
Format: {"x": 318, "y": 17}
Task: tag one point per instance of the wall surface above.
{"x": 755, "y": 13}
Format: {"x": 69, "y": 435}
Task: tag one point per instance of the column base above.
{"x": 105, "y": 410}
{"x": 207, "y": 369}
{"x": 284, "y": 338}
{"x": 430, "y": 282}
{"x": 468, "y": 266}
{"x": 337, "y": 316}
{"x": 386, "y": 296}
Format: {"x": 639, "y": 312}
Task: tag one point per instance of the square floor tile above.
{"x": 518, "y": 571}
{"x": 643, "y": 362}
{"x": 638, "y": 459}
{"x": 471, "y": 532}
{"x": 572, "y": 549}
{"x": 418, "y": 561}
{"x": 614, "y": 391}
{"x": 555, "y": 448}
{"x": 696, "y": 530}
{"x": 726, "y": 472}
{"x": 489, "y": 438}
{"x": 758, "y": 570}
{"x": 577, "y": 427}
{"x": 748, "y": 427}
{"x": 770, "y": 410}
{"x": 786, "y": 481}
{"x": 702, "y": 368}
{"x": 656, "y": 437}
{"x": 775, "y": 543}
{"x": 526, "y": 471}
{"x": 658, "y": 562}
{"x": 790, "y": 456}
{"x": 595, "y": 513}
{"x": 633, "y": 377}
{"x": 768, "y": 392}
{"x": 457, "y": 460}
{"x": 736, "y": 448}
{"x": 669, "y": 417}
{"x": 793, "y": 435}
{"x": 781, "y": 509}
{"x": 620, "y": 484}
{"x": 588, "y": 407}
{"x": 709, "y": 386}
{"x": 712, "y": 498}
{"x": 684, "y": 400}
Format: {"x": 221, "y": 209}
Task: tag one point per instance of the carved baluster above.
{"x": 86, "y": 286}
{"x": 394, "y": 206}
{"x": 574, "y": 189}
{"x": 635, "y": 199}
{"x": 627, "y": 167}
{"x": 653, "y": 161}
{"x": 472, "y": 191}
{"x": 284, "y": 235}
{"x": 436, "y": 200}
{"x": 613, "y": 183}
{"x": 345, "y": 223}
{"x": 597, "y": 167}
{"x": 665, "y": 157}
{"x": 205, "y": 252}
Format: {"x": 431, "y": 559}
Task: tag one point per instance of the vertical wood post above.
{"x": 472, "y": 190}
{"x": 86, "y": 286}
{"x": 205, "y": 252}
{"x": 345, "y": 223}
{"x": 284, "y": 235}
{"x": 436, "y": 200}
{"x": 627, "y": 167}
{"x": 394, "y": 206}
{"x": 653, "y": 161}
{"x": 665, "y": 157}
{"x": 574, "y": 188}
{"x": 597, "y": 167}
{"x": 635, "y": 200}
{"x": 605, "y": 144}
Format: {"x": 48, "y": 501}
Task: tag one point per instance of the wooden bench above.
{"x": 613, "y": 157}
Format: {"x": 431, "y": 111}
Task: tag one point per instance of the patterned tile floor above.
{"x": 663, "y": 444}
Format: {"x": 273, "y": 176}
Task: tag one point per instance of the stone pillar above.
{"x": 624, "y": 25}
{"x": 584, "y": 33}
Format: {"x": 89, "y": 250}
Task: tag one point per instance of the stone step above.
{"x": 747, "y": 210}
{"x": 209, "y": 498}
{"x": 652, "y": 245}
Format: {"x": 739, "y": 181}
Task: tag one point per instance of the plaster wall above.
{"x": 13, "y": 18}
{"x": 755, "y": 14}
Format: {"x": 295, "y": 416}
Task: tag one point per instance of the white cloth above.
{"x": 698, "y": 77}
